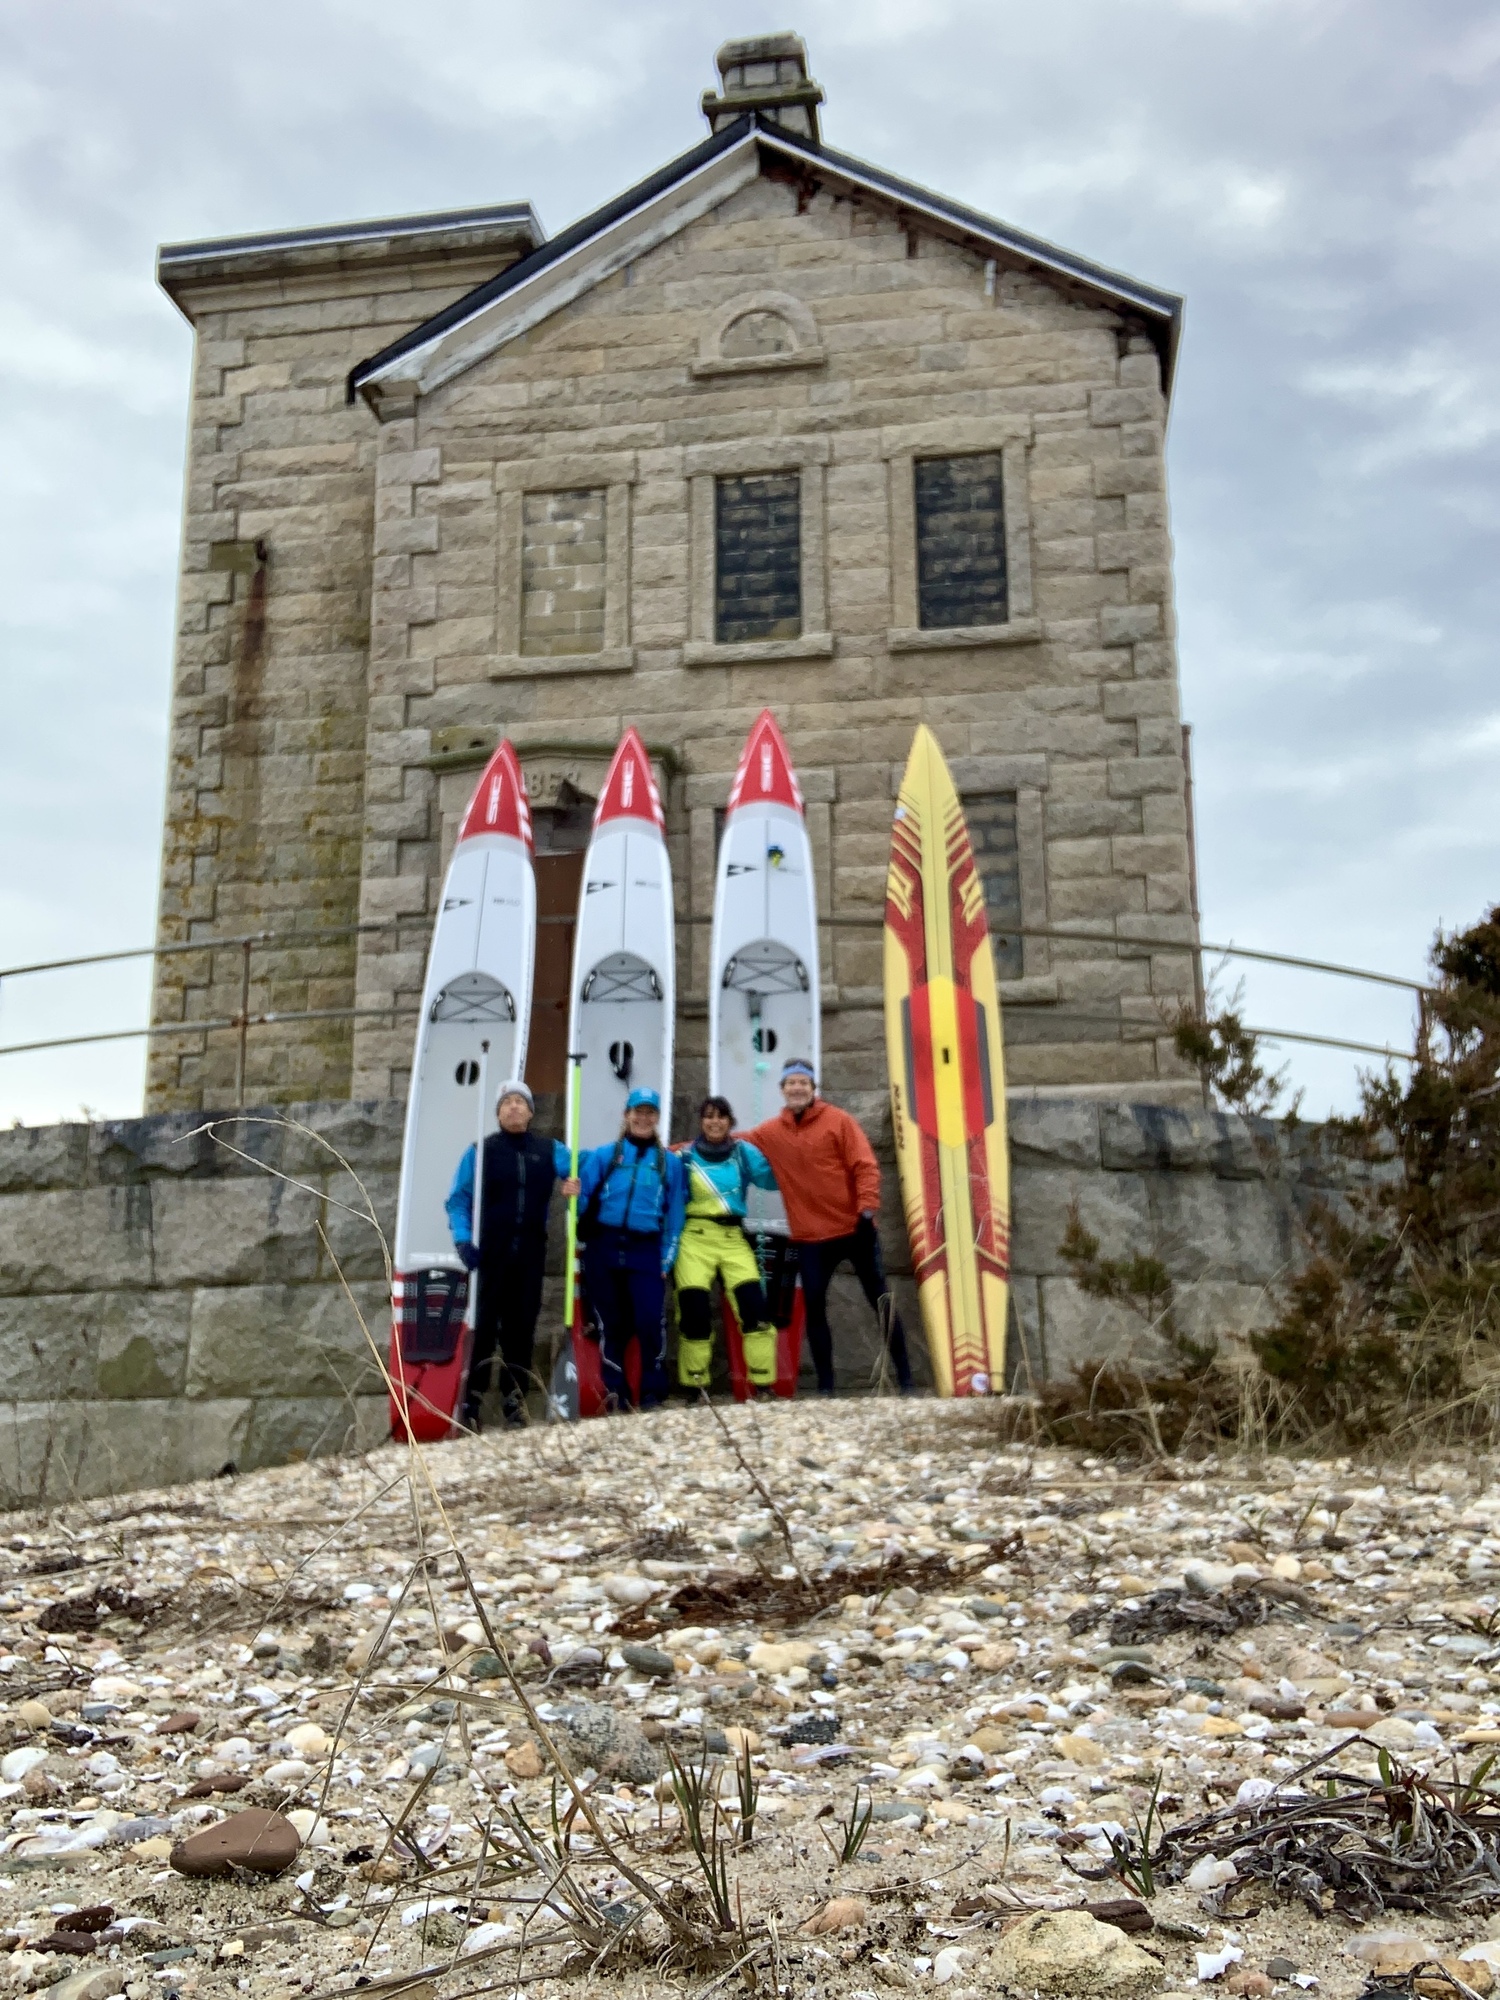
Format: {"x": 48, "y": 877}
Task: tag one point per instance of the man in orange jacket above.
{"x": 830, "y": 1181}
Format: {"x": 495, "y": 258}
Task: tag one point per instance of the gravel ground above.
{"x": 1005, "y": 1691}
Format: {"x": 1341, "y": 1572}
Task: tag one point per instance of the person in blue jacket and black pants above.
{"x": 632, "y": 1199}
{"x": 509, "y": 1247}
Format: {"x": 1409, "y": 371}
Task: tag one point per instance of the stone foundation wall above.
{"x": 171, "y": 1306}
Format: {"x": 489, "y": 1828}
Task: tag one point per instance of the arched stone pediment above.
{"x": 765, "y": 331}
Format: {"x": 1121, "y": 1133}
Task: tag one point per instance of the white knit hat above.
{"x": 513, "y": 1087}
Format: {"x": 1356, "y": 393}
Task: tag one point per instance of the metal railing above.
{"x": 1136, "y": 942}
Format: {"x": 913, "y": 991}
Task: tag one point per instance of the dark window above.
{"x": 960, "y": 541}
{"x": 758, "y": 557}
{"x": 992, "y": 830}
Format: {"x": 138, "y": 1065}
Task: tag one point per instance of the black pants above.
{"x": 817, "y": 1263}
{"x": 510, "y": 1298}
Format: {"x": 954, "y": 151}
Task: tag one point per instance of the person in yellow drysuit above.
{"x": 720, "y": 1171}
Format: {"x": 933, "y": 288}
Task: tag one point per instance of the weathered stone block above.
{"x": 1052, "y": 1131}
{"x": 1154, "y": 1138}
{"x": 89, "y": 1239}
{"x": 82, "y": 1344}
{"x": 1123, "y": 624}
{"x": 358, "y": 1245}
{"x": 285, "y": 1340}
{"x": 55, "y": 1453}
{"x": 42, "y": 1156}
{"x": 1205, "y": 1227}
{"x": 240, "y": 1232}
{"x": 286, "y": 1428}
{"x": 1115, "y": 1209}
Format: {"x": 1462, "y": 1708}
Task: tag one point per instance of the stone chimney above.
{"x": 768, "y": 74}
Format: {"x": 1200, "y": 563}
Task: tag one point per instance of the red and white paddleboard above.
{"x": 763, "y": 994}
{"x": 477, "y": 991}
{"x": 624, "y": 993}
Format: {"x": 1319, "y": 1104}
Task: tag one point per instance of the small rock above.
{"x": 768, "y": 1657}
{"x": 739, "y": 1740}
{"x": 264, "y": 1841}
{"x": 1078, "y": 1749}
{"x": 588, "y": 1733}
{"x": 1072, "y": 1955}
{"x": 311, "y": 1831}
{"x": 524, "y": 1760}
{"x": 182, "y": 1722}
{"x": 1252, "y": 1985}
{"x": 1210, "y": 1874}
{"x": 1207, "y": 1579}
{"x": 290, "y": 1771}
{"x": 308, "y": 1740}
{"x": 629, "y": 1589}
{"x": 75, "y": 1944}
{"x": 103, "y": 1984}
{"x": 985, "y": 1607}
{"x": 16, "y": 1763}
{"x": 649, "y": 1660}
{"x": 1126, "y": 1913}
{"x": 994, "y": 1659}
{"x": 839, "y": 1913}
{"x": 157, "y": 1848}
{"x": 1131, "y": 1673}
{"x": 35, "y": 1714}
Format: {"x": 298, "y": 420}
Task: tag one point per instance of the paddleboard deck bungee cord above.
{"x": 471, "y": 1036}
{"x": 623, "y": 1005}
{"x": 942, "y": 1023}
{"x": 763, "y": 993}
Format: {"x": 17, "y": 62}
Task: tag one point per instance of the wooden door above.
{"x": 557, "y": 882}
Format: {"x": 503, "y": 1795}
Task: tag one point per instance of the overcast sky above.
{"x": 1321, "y": 180}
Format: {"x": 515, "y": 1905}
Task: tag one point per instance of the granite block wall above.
{"x": 174, "y": 1304}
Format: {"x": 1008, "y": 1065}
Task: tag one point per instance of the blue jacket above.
{"x": 460, "y": 1202}
{"x": 645, "y": 1191}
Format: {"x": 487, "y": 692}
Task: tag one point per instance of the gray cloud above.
{"x": 1320, "y": 180}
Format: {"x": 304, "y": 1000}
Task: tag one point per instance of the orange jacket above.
{"x": 824, "y": 1168}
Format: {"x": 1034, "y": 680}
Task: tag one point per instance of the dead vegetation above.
{"x": 1353, "y": 1846}
{"x": 728, "y": 1596}
{"x": 1384, "y": 1336}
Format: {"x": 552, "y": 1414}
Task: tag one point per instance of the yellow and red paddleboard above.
{"x": 942, "y": 1031}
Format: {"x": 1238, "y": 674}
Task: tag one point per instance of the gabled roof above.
{"x": 592, "y": 249}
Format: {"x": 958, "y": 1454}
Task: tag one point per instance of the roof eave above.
{"x": 576, "y": 237}
{"x": 1161, "y": 310}
{"x": 505, "y": 227}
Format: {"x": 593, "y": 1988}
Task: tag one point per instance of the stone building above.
{"x": 773, "y": 426}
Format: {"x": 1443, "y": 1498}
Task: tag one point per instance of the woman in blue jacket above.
{"x": 632, "y": 1198}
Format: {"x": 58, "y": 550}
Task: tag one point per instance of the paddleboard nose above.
{"x": 630, "y": 787}
{"x": 499, "y": 804}
{"x": 765, "y": 775}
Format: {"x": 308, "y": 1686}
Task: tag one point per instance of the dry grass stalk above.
{"x": 509, "y": 1845}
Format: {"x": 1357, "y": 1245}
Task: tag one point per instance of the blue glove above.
{"x": 470, "y": 1255}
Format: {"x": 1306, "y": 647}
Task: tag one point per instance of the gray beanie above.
{"x": 513, "y": 1087}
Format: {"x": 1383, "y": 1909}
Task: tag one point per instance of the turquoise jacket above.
{"x": 717, "y": 1188}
